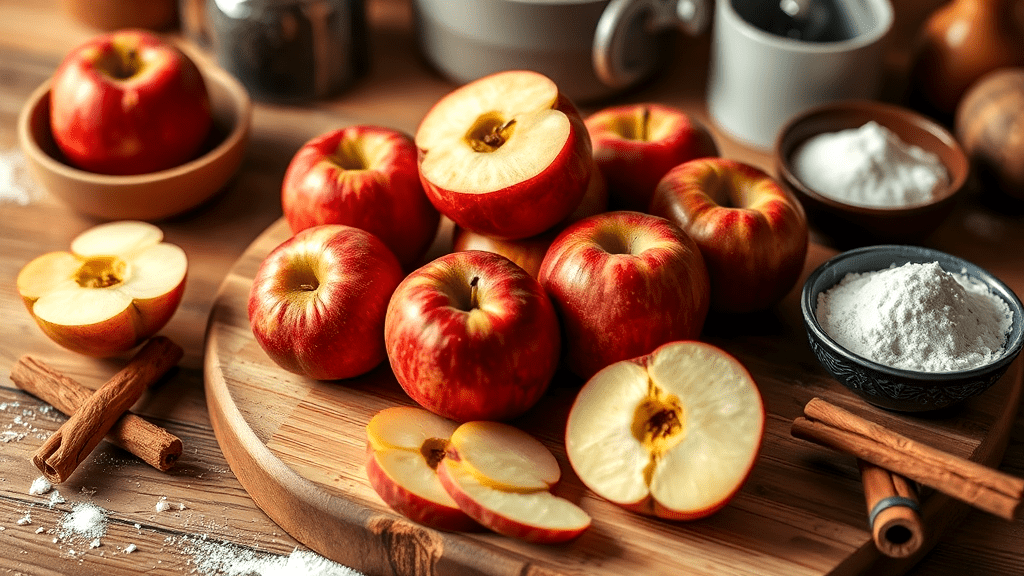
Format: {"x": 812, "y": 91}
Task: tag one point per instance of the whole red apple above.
{"x": 318, "y": 301}
{"x": 472, "y": 336}
{"x": 528, "y": 253}
{"x": 636, "y": 144}
{"x": 751, "y": 231}
{"x": 128, "y": 102}
{"x": 624, "y": 283}
{"x": 362, "y": 176}
{"x": 507, "y": 155}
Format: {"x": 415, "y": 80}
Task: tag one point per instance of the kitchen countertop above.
{"x": 34, "y": 36}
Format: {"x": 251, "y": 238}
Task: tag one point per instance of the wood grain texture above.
{"x": 298, "y": 447}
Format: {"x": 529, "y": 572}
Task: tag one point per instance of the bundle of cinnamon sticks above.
{"x": 889, "y": 460}
{"x": 103, "y": 413}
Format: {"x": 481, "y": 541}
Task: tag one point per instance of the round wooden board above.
{"x": 298, "y": 448}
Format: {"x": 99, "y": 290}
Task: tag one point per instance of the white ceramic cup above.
{"x": 590, "y": 48}
{"x": 757, "y": 80}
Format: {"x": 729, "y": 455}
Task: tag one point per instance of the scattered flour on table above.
{"x": 916, "y": 317}
{"x": 40, "y": 486}
{"x": 229, "y": 560}
{"x": 85, "y": 520}
{"x": 16, "y": 184}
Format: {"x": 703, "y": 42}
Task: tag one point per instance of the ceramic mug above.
{"x": 763, "y": 72}
{"x": 590, "y": 48}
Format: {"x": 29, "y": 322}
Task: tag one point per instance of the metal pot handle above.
{"x": 609, "y": 52}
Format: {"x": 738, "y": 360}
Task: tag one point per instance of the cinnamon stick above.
{"x": 153, "y": 444}
{"x": 976, "y": 484}
{"x": 62, "y": 452}
{"x": 893, "y": 511}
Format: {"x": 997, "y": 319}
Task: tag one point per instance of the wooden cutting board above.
{"x": 297, "y": 446}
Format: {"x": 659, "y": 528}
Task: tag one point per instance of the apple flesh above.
{"x": 636, "y": 144}
{"x": 128, "y": 102}
{"x": 624, "y": 283}
{"x": 118, "y": 285}
{"x": 503, "y": 456}
{"x": 507, "y": 155}
{"x": 362, "y": 176}
{"x": 751, "y": 231}
{"x": 318, "y": 300}
{"x": 672, "y": 434}
{"x": 472, "y": 336}
{"x": 404, "y": 446}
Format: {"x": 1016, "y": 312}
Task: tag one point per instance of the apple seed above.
{"x": 433, "y": 451}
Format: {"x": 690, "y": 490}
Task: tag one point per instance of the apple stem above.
{"x": 497, "y": 137}
{"x": 473, "y": 289}
{"x": 645, "y": 119}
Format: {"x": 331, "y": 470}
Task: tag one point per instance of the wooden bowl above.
{"x": 859, "y": 225}
{"x": 152, "y": 196}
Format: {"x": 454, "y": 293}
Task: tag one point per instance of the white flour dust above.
{"x": 916, "y": 317}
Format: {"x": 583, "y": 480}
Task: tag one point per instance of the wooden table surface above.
{"x": 34, "y": 36}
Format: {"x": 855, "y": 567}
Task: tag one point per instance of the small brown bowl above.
{"x": 152, "y": 196}
{"x": 853, "y": 224}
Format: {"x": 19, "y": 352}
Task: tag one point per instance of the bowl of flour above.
{"x": 909, "y": 328}
{"x": 869, "y": 172}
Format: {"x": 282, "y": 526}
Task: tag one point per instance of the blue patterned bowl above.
{"x": 895, "y": 388}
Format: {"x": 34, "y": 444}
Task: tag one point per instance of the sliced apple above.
{"x": 119, "y": 285}
{"x": 405, "y": 445}
{"x": 507, "y": 155}
{"x": 672, "y": 434}
{"x": 503, "y": 457}
{"x": 537, "y": 516}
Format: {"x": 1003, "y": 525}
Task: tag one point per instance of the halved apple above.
{"x": 672, "y": 434}
{"x": 507, "y": 155}
{"x": 119, "y": 285}
{"x": 405, "y": 445}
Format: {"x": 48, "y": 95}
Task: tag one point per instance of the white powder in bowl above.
{"x": 916, "y": 317}
{"x": 869, "y": 166}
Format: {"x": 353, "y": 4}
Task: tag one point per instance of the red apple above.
{"x": 472, "y": 336}
{"x": 528, "y": 253}
{"x": 118, "y": 285}
{"x": 636, "y": 144}
{"x": 128, "y": 102}
{"x": 673, "y": 433}
{"x": 624, "y": 283}
{"x": 366, "y": 177}
{"x": 507, "y": 155}
{"x": 318, "y": 301}
{"x": 751, "y": 231}
{"x": 404, "y": 447}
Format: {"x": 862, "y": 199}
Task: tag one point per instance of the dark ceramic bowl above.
{"x": 895, "y": 388}
{"x": 855, "y": 225}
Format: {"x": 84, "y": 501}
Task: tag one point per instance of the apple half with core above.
{"x": 472, "y": 336}
{"x": 118, "y": 285}
{"x": 507, "y": 155}
{"x": 502, "y": 477}
{"x": 528, "y": 253}
{"x": 673, "y": 434}
{"x": 318, "y": 300}
{"x": 636, "y": 144}
{"x": 751, "y": 231}
{"x": 362, "y": 176}
{"x": 405, "y": 445}
{"x": 623, "y": 283}
{"x": 128, "y": 102}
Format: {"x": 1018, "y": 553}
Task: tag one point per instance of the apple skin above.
{"x": 528, "y": 253}
{"x": 624, "y": 283}
{"x": 523, "y": 208}
{"x": 318, "y": 300}
{"x": 128, "y": 102}
{"x": 363, "y": 176}
{"x": 491, "y": 361}
{"x": 751, "y": 231}
{"x": 636, "y": 144}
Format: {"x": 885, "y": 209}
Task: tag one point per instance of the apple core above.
{"x": 489, "y": 132}
{"x": 433, "y": 451}
{"x": 101, "y": 272}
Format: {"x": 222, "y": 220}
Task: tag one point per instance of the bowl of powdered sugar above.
{"x": 910, "y": 328}
{"x": 869, "y": 172}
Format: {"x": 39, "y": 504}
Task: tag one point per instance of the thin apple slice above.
{"x": 537, "y": 516}
{"x": 119, "y": 285}
{"x": 407, "y": 428}
{"x": 504, "y": 457}
{"x": 674, "y": 433}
